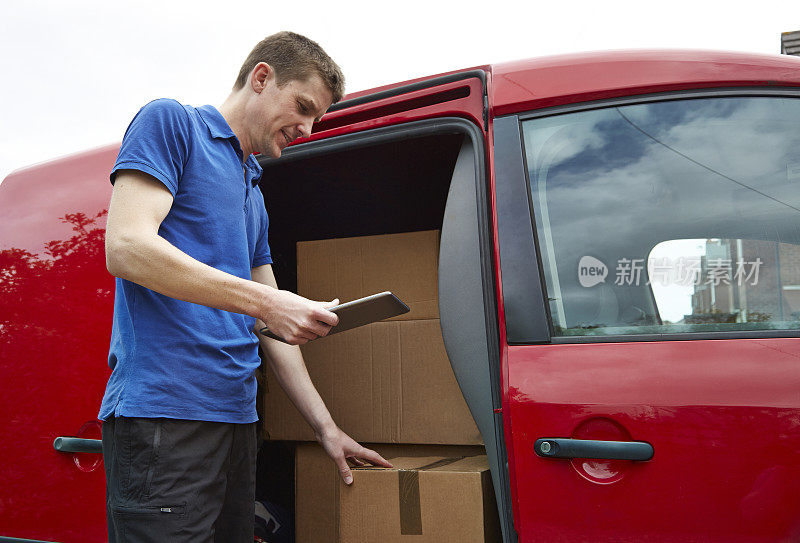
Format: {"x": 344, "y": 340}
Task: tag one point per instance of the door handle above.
{"x": 77, "y": 445}
{"x": 556, "y": 447}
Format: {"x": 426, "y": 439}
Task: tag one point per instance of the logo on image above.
{"x": 591, "y": 271}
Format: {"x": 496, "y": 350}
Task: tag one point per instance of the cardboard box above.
{"x": 429, "y": 499}
{"x": 351, "y": 268}
{"x": 317, "y": 487}
{"x": 388, "y": 382}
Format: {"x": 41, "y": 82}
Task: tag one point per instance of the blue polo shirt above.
{"x": 177, "y": 359}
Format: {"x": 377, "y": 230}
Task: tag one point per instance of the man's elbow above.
{"x": 120, "y": 255}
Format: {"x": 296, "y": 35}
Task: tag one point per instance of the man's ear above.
{"x": 261, "y": 75}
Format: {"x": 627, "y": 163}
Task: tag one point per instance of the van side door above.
{"x": 650, "y": 260}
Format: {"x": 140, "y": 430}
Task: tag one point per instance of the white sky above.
{"x": 74, "y": 73}
{"x": 674, "y": 300}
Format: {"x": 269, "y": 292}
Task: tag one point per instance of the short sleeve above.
{"x": 157, "y": 143}
{"x": 262, "y": 254}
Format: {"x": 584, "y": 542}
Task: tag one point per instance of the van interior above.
{"x": 375, "y": 188}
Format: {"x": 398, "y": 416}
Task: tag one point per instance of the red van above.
{"x": 619, "y": 289}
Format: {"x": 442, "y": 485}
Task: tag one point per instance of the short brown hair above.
{"x": 294, "y": 58}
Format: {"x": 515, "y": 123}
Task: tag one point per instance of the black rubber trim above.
{"x": 526, "y": 313}
{"x": 689, "y": 94}
{"x": 493, "y": 335}
{"x": 556, "y": 447}
{"x": 405, "y": 89}
{"x": 77, "y": 445}
{"x": 679, "y": 336}
{"x": 367, "y": 138}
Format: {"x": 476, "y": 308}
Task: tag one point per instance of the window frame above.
{"x": 748, "y": 92}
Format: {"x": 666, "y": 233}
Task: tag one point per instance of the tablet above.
{"x": 360, "y": 312}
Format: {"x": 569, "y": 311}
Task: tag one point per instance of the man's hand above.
{"x": 297, "y": 319}
{"x": 341, "y": 448}
{"x": 290, "y": 370}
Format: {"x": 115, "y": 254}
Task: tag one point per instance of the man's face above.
{"x": 278, "y": 115}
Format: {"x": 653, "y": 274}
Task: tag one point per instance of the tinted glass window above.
{"x": 676, "y": 216}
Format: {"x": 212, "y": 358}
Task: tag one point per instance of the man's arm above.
{"x": 290, "y": 370}
{"x": 135, "y": 251}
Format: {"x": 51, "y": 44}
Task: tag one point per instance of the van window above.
{"x": 674, "y": 216}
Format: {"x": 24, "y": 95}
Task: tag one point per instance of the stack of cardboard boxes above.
{"x": 390, "y": 386}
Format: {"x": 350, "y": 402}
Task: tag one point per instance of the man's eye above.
{"x": 303, "y": 108}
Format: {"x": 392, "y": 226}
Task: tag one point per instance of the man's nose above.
{"x": 305, "y": 128}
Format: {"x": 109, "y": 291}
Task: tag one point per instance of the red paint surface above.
{"x": 537, "y": 83}
{"x": 723, "y": 417}
{"x": 55, "y": 313}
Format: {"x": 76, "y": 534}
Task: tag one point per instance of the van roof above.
{"x": 563, "y": 79}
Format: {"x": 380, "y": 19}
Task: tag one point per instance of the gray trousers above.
{"x": 179, "y": 480}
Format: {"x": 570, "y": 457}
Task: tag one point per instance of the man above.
{"x": 187, "y": 240}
